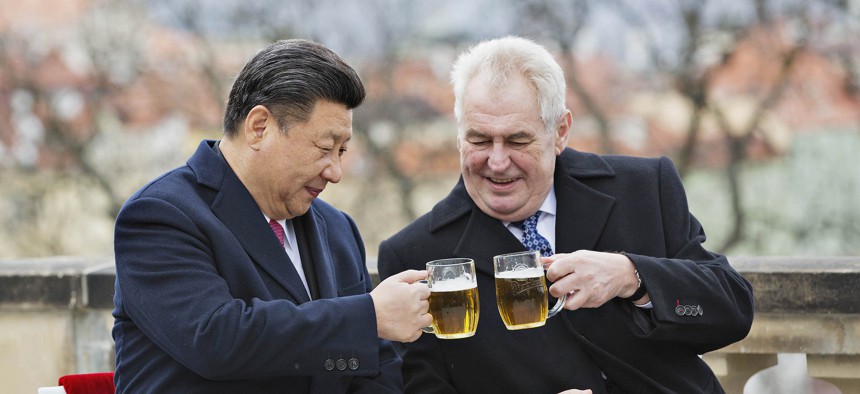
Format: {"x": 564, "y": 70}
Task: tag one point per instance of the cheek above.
{"x": 525, "y": 161}
{"x": 469, "y": 158}
{"x": 537, "y": 159}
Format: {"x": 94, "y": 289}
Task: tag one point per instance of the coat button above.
{"x": 353, "y": 364}
{"x": 688, "y": 310}
{"x": 679, "y": 310}
{"x": 328, "y": 364}
{"x": 341, "y": 364}
{"x": 700, "y": 310}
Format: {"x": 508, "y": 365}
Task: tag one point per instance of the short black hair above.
{"x": 289, "y": 77}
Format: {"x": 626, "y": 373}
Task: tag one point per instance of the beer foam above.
{"x": 521, "y": 274}
{"x": 453, "y": 285}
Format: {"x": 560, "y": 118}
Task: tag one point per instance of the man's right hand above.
{"x": 401, "y": 304}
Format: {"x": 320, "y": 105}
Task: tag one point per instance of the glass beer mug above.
{"x": 453, "y": 298}
{"x": 521, "y": 292}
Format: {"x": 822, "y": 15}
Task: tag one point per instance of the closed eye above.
{"x": 478, "y": 141}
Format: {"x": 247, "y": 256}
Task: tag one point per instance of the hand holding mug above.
{"x": 591, "y": 278}
{"x": 400, "y": 302}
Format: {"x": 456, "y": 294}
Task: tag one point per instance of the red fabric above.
{"x": 279, "y": 231}
{"x": 89, "y": 383}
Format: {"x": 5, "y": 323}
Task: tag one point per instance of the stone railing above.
{"x": 55, "y": 319}
{"x": 808, "y": 305}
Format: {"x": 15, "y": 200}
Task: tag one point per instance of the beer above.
{"x": 454, "y": 306}
{"x": 522, "y": 298}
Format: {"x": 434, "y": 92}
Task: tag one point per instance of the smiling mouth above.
{"x": 502, "y": 181}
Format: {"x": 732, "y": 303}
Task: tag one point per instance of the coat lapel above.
{"x": 582, "y": 212}
{"x": 235, "y": 207}
{"x": 319, "y": 249}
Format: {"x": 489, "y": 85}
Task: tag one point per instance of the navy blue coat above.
{"x": 604, "y": 203}
{"x": 208, "y": 302}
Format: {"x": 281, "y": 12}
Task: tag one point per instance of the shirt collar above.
{"x": 548, "y": 206}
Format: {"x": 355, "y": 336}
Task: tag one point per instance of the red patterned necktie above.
{"x": 278, "y": 229}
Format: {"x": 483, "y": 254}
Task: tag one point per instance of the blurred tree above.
{"x": 67, "y": 111}
{"x": 385, "y": 119}
{"x": 216, "y": 28}
{"x": 691, "y": 47}
{"x": 97, "y": 97}
{"x": 62, "y": 94}
{"x": 713, "y": 36}
{"x": 562, "y": 22}
{"x": 75, "y": 82}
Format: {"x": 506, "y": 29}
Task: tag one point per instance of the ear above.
{"x": 563, "y": 132}
{"x": 256, "y": 125}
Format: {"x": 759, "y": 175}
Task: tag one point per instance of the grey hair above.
{"x": 497, "y": 60}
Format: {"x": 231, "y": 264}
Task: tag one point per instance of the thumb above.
{"x": 411, "y": 276}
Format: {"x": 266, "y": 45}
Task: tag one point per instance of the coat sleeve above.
{"x": 169, "y": 288}
{"x": 720, "y": 300}
{"x": 424, "y": 368}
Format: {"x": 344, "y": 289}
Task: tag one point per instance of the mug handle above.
{"x": 428, "y": 329}
{"x": 559, "y": 305}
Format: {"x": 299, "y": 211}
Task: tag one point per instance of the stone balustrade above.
{"x": 808, "y": 305}
{"x": 55, "y": 319}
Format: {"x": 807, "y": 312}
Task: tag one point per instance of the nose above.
{"x": 499, "y": 158}
{"x": 332, "y": 172}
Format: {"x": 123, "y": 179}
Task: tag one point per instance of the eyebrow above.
{"x": 336, "y": 136}
{"x": 520, "y": 134}
{"x": 473, "y": 133}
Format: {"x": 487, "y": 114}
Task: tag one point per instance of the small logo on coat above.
{"x": 688, "y": 310}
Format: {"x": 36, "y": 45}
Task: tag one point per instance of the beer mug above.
{"x": 453, "y": 298}
{"x": 521, "y": 292}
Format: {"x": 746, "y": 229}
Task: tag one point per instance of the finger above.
{"x": 575, "y": 300}
{"x": 559, "y": 269}
{"x": 425, "y": 320}
{"x": 547, "y": 261}
{"x": 562, "y": 285}
{"x": 423, "y": 290}
{"x": 557, "y": 290}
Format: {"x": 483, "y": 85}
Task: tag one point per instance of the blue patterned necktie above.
{"x": 531, "y": 238}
